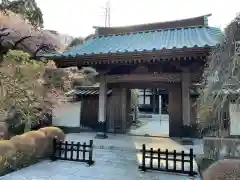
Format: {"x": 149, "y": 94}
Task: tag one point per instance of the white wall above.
{"x": 67, "y": 114}
{"x": 234, "y": 110}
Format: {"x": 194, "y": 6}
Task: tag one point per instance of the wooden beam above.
{"x": 137, "y": 85}
{"x": 157, "y": 77}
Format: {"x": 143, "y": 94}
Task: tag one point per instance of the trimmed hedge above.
{"x": 4, "y": 130}
{"x": 223, "y": 170}
{"x": 28, "y": 148}
{"x": 25, "y": 147}
{"x": 8, "y": 156}
{"x": 50, "y": 133}
{"x": 53, "y": 132}
{"x": 40, "y": 141}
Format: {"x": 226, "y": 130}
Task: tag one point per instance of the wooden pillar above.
{"x": 175, "y": 111}
{"x": 160, "y": 104}
{"x": 102, "y": 110}
{"x": 119, "y": 105}
{"x": 154, "y": 100}
{"x": 124, "y": 109}
{"x": 186, "y": 103}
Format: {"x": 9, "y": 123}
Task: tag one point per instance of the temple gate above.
{"x": 169, "y": 55}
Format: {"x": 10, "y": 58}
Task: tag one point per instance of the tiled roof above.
{"x": 190, "y": 37}
{"x": 86, "y": 91}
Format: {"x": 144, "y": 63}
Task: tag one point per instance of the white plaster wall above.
{"x": 140, "y": 100}
{"x": 234, "y": 110}
{"x": 67, "y": 114}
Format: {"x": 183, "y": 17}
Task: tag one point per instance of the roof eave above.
{"x": 173, "y": 51}
{"x": 112, "y": 58}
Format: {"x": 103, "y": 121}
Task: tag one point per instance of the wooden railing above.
{"x": 74, "y": 151}
{"x": 167, "y": 161}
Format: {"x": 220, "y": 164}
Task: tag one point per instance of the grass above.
{"x": 138, "y": 124}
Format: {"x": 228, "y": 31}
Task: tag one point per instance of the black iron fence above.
{"x": 167, "y": 161}
{"x": 73, "y": 151}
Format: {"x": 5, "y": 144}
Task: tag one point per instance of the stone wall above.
{"x": 216, "y": 148}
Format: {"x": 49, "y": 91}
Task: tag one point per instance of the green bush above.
{"x": 8, "y": 156}
{"x": 4, "y": 130}
{"x": 28, "y": 148}
{"x": 25, "y": 148}
{"x": 53, "y": 132}
{"x": 16, "y": 130}
{"x": 223, "y": 170}
{"x": 50, "y": 133}
{"x": 40, "y": 141}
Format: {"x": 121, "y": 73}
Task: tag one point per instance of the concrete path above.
{"x": 158, "y": 125}
{"x": 63, "y": 170}
{"x": 116, "y": 158}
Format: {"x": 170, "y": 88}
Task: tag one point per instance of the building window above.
{"x": 147, "y": 100}
{"x": 141, "y": 99}
{"x": 144, "y": 97}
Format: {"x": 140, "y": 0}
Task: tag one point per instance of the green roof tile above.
{"x": 148, "y": 41}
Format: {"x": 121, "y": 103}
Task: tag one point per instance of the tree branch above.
{"x": 21, "y": 40}
{"x": 43, "y": 47}
{"x": 4, "y": 34}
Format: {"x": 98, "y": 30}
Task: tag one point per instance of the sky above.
{"x": 77, "y": 17}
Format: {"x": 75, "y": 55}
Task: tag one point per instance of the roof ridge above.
{"x": 146, "y": 31}
{"x": 146, "y": 24}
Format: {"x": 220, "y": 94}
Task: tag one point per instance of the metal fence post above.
{"x": 143, "y": 157}
{"x": 90, "y": 161}
{"x": 53, "y": 155}
{"x": 191, "y": 156}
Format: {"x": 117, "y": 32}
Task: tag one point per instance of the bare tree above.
{"x": 18, "y": 34}
{"x": 222, "y": 73}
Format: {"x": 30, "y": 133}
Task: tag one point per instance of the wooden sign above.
{"x": 237, "y": 48}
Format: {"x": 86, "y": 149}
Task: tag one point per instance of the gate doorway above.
{"x": 152, "y": 117}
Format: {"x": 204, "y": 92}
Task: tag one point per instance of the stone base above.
{"x": 175, "y": 131}
{"x": 180, "y": 131}
{"x": 101, "y": 135}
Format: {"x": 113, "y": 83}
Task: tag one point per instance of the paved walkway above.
{"x": 116, "y": 158}
{"x": 158, "y": 125}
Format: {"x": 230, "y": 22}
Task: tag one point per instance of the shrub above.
{"x": 52, "y": 132}
{"x": 40, "y": 141}
{"x": 8, "y": 156}
{"x": 25, "y": 147}
{"x": 222, "y": 170}
{"x": 191, "y": 131}
{"x": 16, "y": 129}
{"x": 204, "y": 162}
{"x": 4, "y": 130}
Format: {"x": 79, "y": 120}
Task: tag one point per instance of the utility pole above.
{"x": 107, "y": 14}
